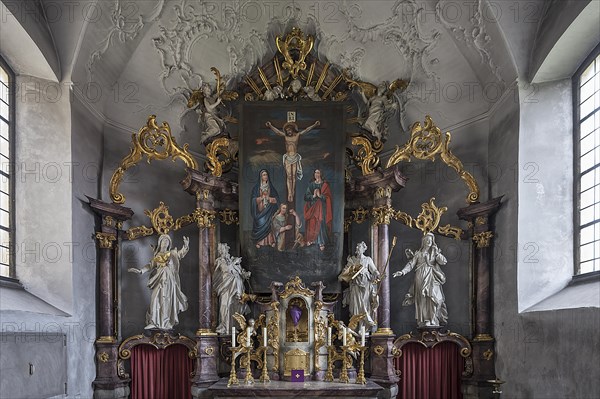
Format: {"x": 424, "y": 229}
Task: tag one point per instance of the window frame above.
{"x": 11, "y": 145}
{"x": 576, "y": 165}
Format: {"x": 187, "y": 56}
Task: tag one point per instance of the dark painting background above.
{"x": 322, "y": 148}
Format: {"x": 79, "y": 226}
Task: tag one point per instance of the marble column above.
{"x": 107, "y": 383}
{"x": 206, "y": 337}
{"x": 210, "y": 192}
{"x": 383, "y": 371}
{"x": 481, "y": 232}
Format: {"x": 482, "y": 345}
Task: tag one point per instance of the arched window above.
{"x": 586, "y": 93}
{"x": 7, "y": 105}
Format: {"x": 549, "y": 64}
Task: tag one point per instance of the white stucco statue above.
{"x": 426, "y": 291}
{"x": 166, "y": 300}
{"x": 362, "y": 276}
{"x": 229, "y": 285}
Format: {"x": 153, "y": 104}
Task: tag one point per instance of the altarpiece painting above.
{"x": 292, "y": 191}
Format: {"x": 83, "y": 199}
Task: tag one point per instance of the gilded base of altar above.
{"x": 284, "y": 389}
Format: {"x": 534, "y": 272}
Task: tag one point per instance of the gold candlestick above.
{"x": 233, "y": 380}
{"x": 249, "y": 379}
{"x": 360, "y": 377}
{"x": 330, "y": 360}
{"x": 344, "y": 372}
{"x": 264, "y": 377}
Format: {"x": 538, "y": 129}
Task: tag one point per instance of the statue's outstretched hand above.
{"x": 398, "y": 274}
{"x": 135, "y": 270}
{"x": 186, "y": 241}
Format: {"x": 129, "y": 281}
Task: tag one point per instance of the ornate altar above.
{"x": 294, "y": 324}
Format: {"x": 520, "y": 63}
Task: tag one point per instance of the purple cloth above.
{"x": 296, "y": 313}
{"x": 297, "y": 375}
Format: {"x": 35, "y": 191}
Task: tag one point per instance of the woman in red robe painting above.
{"x": 317, "y": 211}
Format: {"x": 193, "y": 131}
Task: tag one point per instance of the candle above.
{"x": 362, "y": 336}
{"x": 233, "y": 336}
{"x": 328, "y": 336}
{"x": 265, "y": 337}
{"x": 344, "y": 337}
{"x": 247, "y": 337}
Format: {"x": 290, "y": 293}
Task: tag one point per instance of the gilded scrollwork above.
{"x": 103, "y": 357}
{"x": 229, "y": 216}
{"x": 161, "y": 220}
{"x": 154, "y": 142}
{"x": 295, "y": 40}
{"x": 320, "y": 324}
{"x": 383, "y": 214}
{"x": 204, "y": 217}
{"x": 296, "y": 286}
{"x": 273, "y": 334}
{"x": 483, "y": 239}
{"x": 105, "y": 239}
{"x": 426, "y": 141}
{"x": 429, "y": 219}
{"x": 221, "y": 153}
{"x": 366, "y": 157}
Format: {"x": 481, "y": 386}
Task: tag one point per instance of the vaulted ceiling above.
{"x": 131, "y": 58}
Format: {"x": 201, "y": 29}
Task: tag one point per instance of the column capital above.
{"x": 105, "y": 240}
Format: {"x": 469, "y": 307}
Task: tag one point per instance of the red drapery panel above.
{"x": 430, "y": 373}
{"x": 160, "y": 373}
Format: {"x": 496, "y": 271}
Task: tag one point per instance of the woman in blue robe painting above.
{"x": 265, "y": 203}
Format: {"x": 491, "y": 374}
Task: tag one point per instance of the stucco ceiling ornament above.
{"x": 124, "y": 28}
{"x": 474, "y": 35}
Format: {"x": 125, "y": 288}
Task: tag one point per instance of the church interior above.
{"x": 351, "y": 199}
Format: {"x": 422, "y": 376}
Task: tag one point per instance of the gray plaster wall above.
{"x": 541, "y": 354}
{"x": 65, "y": 133}
{"x": 428, "y": 179}
{"x": 545, "y": 249}
{"x": 144, "y": 186}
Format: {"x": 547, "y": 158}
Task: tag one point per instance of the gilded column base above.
{"x": 206, "y": 362}
{"x": 107, "y": 380}
{"x": 383, "y": 371}
{"x": 484, "y": 356}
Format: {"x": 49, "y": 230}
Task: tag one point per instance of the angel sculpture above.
{"x": 248, "y": 329}
{"x": 206, "y": 104}
{"x": 351, "y": 331}
{"x": 381, "y": 104}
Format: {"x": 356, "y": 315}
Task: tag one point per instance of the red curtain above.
{"x": 430, "y": 373}
{"x": 160, "y": 373}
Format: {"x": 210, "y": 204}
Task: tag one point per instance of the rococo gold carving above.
{"x": 109, "y": 221}
{"x": 221, "y": 153}
{"x": 429, "y": 219}
{"x": 137, "y": 232}
{"x": 319, "y": 332}
{"x": 160, "y": 218}
{"x": 105, "y": 239}
{"x": 383, "y": 214}
{"x": 378, "y": 350}
{"x": 295, "y": 40}
{"x": 296, "y": 286}
{"x": 209, "y": 350}
{"x": 480, "y": 220}
{"x": 103, "y": 357}
{"x": 483, "y": 239}
{"x": 488, "y": 354}
{"x": 204, "y": 217}
{"x": 229, "y": 216}
{"x": 273, "y": 334}
{"x": 366, "y": 157}
{"x": 155, "y": 142}
{"x": 425, "y": 143}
